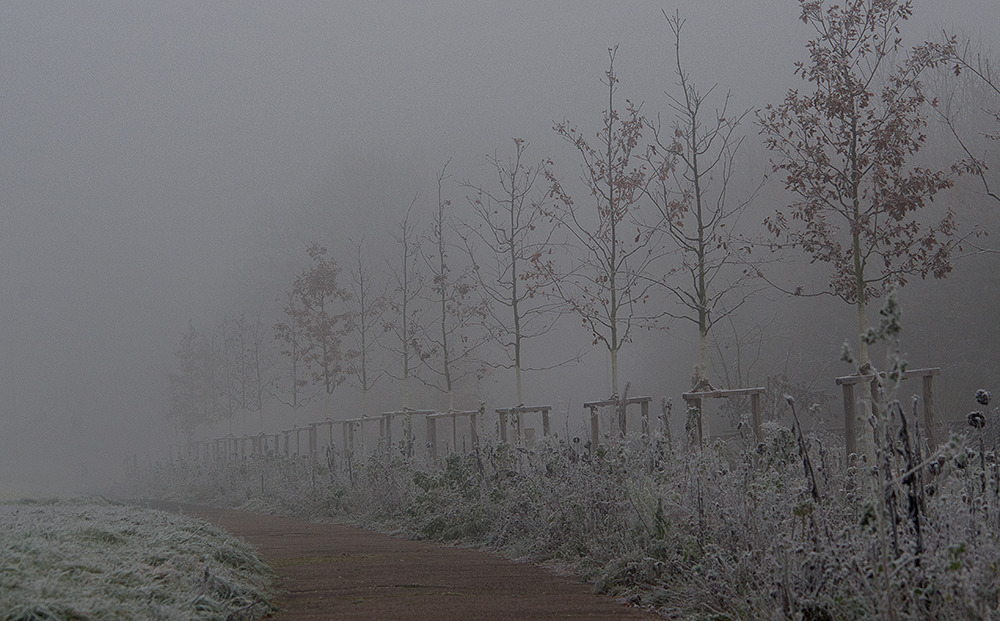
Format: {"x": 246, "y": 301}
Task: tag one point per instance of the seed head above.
{"x": 982, "y": 397}
{"x": 976, "y": 420}
{"x": 961, "y": 461}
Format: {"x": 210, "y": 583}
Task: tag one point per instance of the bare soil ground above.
{"x": 331, "y": 571}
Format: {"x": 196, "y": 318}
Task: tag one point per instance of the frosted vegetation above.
{"x": 92, "y": 559}
{"x": 783, "y": 528}
{"x": 778, "y": 529}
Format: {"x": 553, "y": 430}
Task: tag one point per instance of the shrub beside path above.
{"x": 332, "y": 571}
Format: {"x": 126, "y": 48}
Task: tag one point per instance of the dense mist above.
{"x": 167, "y": 165}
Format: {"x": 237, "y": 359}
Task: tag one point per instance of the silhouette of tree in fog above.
{"x": 244, "y": 365}
{"x": 193, "y": 389}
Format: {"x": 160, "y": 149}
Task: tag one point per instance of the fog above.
{"x": 162, "y": 163}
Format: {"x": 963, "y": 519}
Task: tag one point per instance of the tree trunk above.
{"x": 513, "y": 291}
{"x": 702, "y": 371}
{"x": 861, "y": 303}
{"x": 867, "y": 398}
{"x": 614, "y": 371}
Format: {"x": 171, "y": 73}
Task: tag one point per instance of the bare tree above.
{"x": 691, "y": 168}
{"x": 228, "y": 365}
{"x": 369, "y": 304}
{"x": 235, "y": 370}
{"x": 984, "y": 87}
{"x": 447, "y": 348}
{"x": 260, "y": 365}
{"x": 245, "y": 362}
{"x": 608, "y": 285}
{"x": 511, "y": 243}
{"x": 405, "y": 306}
{"x": 292, "y": 335}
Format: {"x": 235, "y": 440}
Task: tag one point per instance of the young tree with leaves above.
{"x": 691, "y": 166}
{"x": 846, "y": 148}
{"x": 511, "y": 244}
{"x": 610, "y": 281}
{"x": 327, "y": 320}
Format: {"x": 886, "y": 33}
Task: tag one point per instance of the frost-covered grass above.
{"x": 92, "y": 559}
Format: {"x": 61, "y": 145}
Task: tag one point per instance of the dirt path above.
{"x": 330, "y": 571}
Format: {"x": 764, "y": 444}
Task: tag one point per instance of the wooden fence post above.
{"x": 755, "y": 417}
{"x": 344, "y": 448}
{"x": 432, "y": 436}
{"x": 503, "y": 425}
{"x": 850, "y": 420}
{"x": 595, "y": 429}
{"x": 696, "y": 403}
{"x": 928, "y": 386}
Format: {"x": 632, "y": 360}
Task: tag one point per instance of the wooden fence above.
{"x": 851, "y": 402}
{"x": 357, "y": 435}
{"x": 694, "y": 400}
